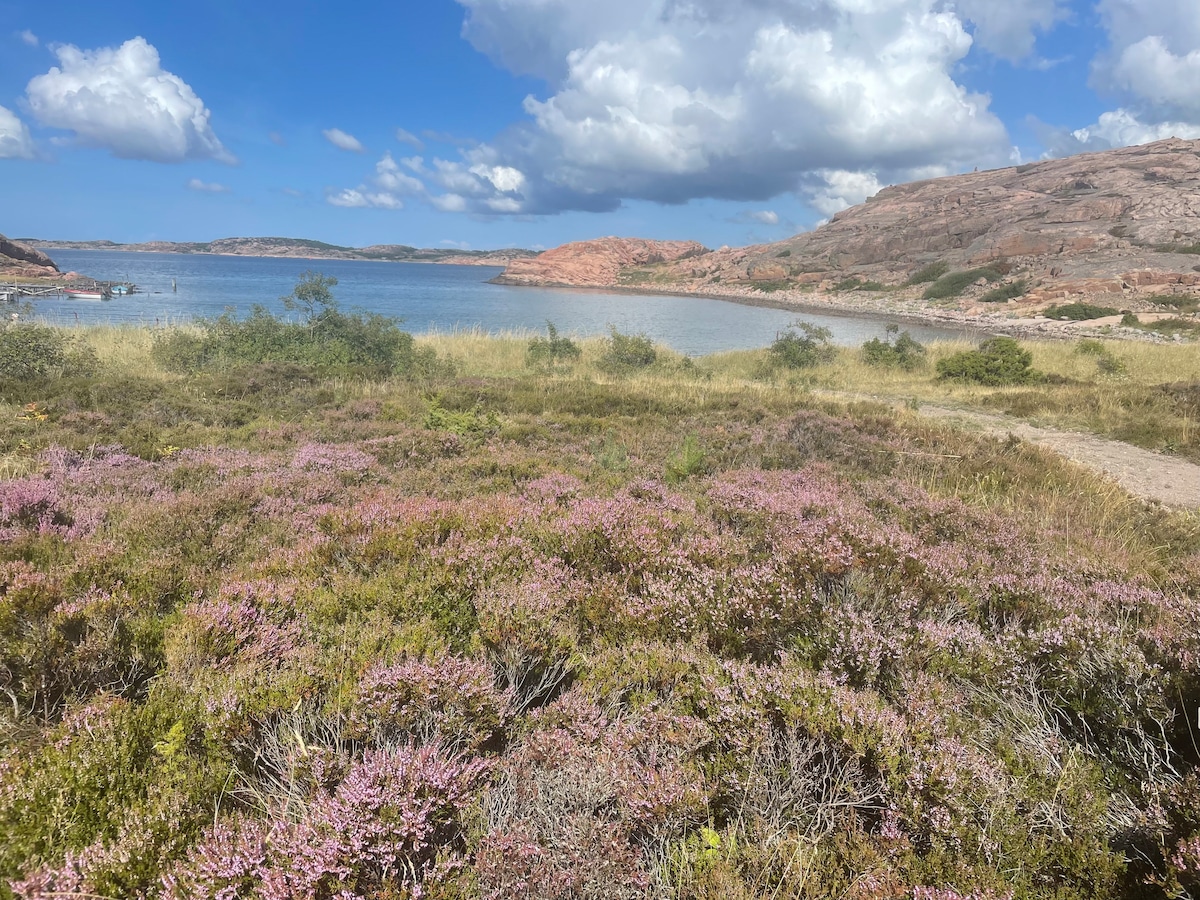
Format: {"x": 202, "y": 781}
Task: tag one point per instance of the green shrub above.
{"x": 30, "y": 351}
{"x": 802, "y": 346}
{"x": 1180, "y": 302}
{"x": 1178, "y": 248}
{"x": 956, "y": 282}
{"x": 927, "y": 274}
{"x": 688, "y": 461}
{"x": 545, "y": 352}
{"x": 1174, "y": 326}
{"x": 900, "y": 352}
{"x": 1130, "y": 320}
{"x": 1008, "y": 292}
{"x": 627, "y": 352}
{"x": 476, "y": 423}
{"x": 783, "y": 254}
{"x": 326, "y": 339}
{"x": 998, "y": 361}
{"x": 1078, "y": 312}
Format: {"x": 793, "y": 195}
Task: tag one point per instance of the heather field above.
{"x": 477, "y": 618}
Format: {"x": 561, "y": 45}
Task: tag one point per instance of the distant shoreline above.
{"x": 875, "y": 309}
{"x": 429, "y": 256}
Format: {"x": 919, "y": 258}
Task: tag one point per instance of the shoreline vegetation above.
{"x": 909, "y": 311}
{"x": 312, "y": 607}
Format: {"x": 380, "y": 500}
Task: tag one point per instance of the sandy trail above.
{"x": 1144, "y": 473}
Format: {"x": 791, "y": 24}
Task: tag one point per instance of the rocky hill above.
{"x": 598, "y": 262}
{"x": 300, "y": 248}
{"x": 18, "y": 260}
{"x": 1117, "y": 224}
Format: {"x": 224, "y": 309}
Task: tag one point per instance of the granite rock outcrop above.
{"x": 18, "y": 260}
{"x": 597, "y": 263}
{"x": 1116, "y": 224}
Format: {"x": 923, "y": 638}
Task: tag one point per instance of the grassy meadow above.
{"x": 470, "y": 618}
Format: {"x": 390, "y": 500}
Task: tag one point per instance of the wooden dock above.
{"x": 15, "y": 291}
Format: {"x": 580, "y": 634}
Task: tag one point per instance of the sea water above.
{"x": 175, "y": 287}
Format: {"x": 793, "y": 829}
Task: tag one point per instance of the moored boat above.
{"x": 76, "y": 294}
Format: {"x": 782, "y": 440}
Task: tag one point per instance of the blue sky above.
{"x": 493, "y": 123}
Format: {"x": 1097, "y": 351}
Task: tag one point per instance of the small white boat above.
{"x": 73, "y": 294}
{"x": 119, "y": 289}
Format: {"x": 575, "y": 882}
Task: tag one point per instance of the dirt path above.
{"x": 1152, "y": 476}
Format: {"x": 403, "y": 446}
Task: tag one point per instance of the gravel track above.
{"x": 1152, "y": 476}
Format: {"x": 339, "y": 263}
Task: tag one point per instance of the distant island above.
{"x": 301, "y": 248}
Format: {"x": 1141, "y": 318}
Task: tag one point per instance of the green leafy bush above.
{"x": 1078, "y": 312}
{"x": 1008, "y": 292}
{"x": 998, "y": 361}
{"x": 30, "y": 351}
{"x": 897, "y": 351}
{"x": 627, "y": 352}
{"x": 476, "y": 423}
{"x": 545, "y": 352}
{"x": 956, "y": 282}
{"x": 1180, "y": 302}
{"x": 802, "y": 346}
{"x": 927, "y": 274}
{"x": 326, "y": 339}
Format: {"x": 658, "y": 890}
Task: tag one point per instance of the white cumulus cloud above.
{"x": 15, "y": 140}
{"x": 1152, "y": 67}
{"x": 28, "y": 37}
{"x": 123, "y": 100}
{"x": 383, "y": 190}
{"x": 207, "y": 187}
{"x": 839, "y": 190}
{"x": 343, "y": 141}
{"x": 1009, "y": 28}
{"x": 729, "y": 99}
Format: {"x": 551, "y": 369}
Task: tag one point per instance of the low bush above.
{"x": 998, "y": 361}
{"x": 326, "y": 339}
{"x": 854, "y": 283}
{"x": 28, "y": 350}
{"x": 546, "y": 352}
{"x": 1008, "y": 292}
{"x": 955, "y": 283}
{"x": 1180, "y": 302}
{"x": 897, "y": 351}
{"x": 802, "y": 346}
{"x": 927, "y": 274}
{"x": 1078, "y": 312}
{"x": 688, "y": 461}
{"x": 627, "y": 352}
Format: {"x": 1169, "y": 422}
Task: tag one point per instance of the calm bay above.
{"x": 427, "y": 298}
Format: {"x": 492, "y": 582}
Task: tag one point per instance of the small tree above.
{"x": 802, "y": 346}
{"x": 313, "y": 297}
{"x": 898, "y": 351}
{"x": 545, "y": 352}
